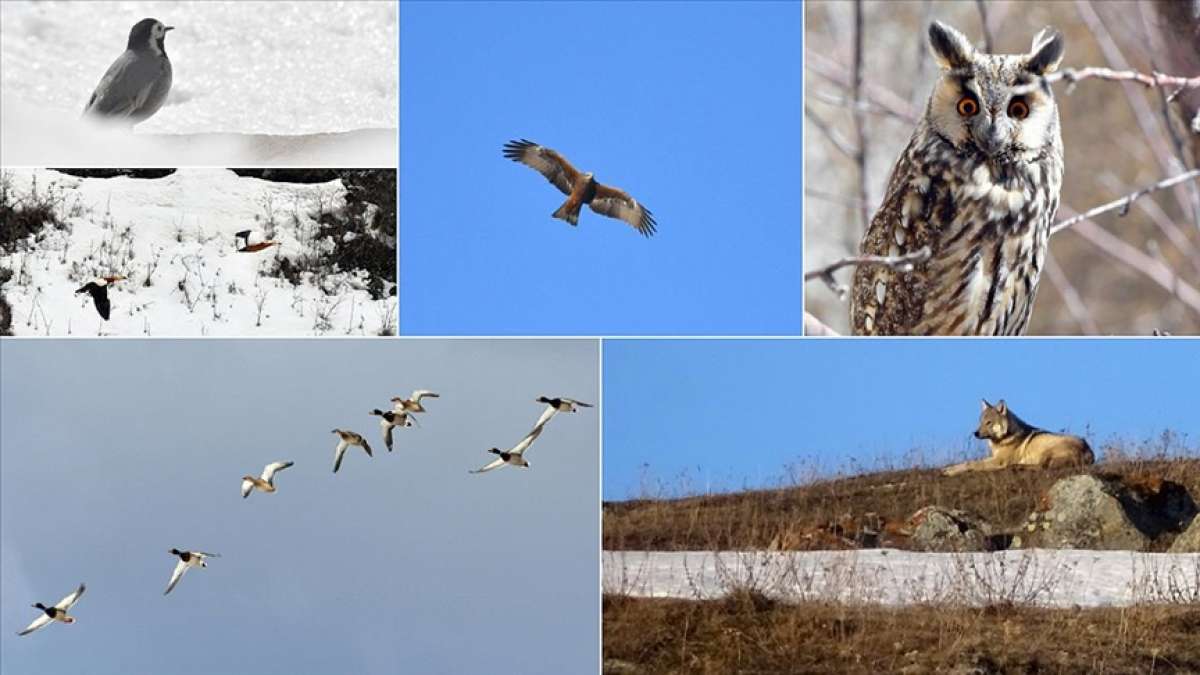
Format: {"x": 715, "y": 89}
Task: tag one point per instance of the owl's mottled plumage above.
{"x": 978, "y": 184}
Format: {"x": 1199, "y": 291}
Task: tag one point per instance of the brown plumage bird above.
{"x": 580, "y": 188}
{"x": 98, "y": 289}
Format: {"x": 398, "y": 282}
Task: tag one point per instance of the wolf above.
{"x": 1015, "y": 442}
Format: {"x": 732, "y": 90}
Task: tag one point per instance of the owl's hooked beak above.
{"x": 992, "y": 137}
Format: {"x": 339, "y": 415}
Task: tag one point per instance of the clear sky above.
{"x": 115, "y": 451}
{"x": 693, "y": 108}
{"x": 721, "y": 415}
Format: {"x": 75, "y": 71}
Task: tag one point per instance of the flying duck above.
{"x": 349, "y": 438}
{"x": 413, "y": 403}
{"x": 56, "y": 613}
{"x": 98, "y": 289}
{"x": 514, "y": 456}
{"x": 390, "y": 419}
{"x": 267, "y": 482}
{"x": 241, "y": 240}
{"x": 557, "y": 405}
{"x": 187, "y": 559}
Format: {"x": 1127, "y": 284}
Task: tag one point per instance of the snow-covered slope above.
{"x": 291, "y": 69}
{"x": 1055, "y": 578}
{"x": 173, "y": 238}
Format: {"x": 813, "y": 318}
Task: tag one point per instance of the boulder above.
{"x": 936, "y": 528}
{"x": 1095, "y": 512}
{"x": 1189, "y": 541}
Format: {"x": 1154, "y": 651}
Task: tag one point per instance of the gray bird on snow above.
{"x": 137, "y": 83}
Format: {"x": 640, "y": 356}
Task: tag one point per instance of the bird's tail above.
{"x": 565, "y": 212}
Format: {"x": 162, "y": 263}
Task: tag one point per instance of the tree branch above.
{"x": 1124, "y": 202}
{"x": 1076, "y": 75}
{"x": 900, "y": 263}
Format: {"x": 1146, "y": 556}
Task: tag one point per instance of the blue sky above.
{"x": 692, "y": 108}
{"x": 703, "y": 414}
{"x": 400, "y": 563}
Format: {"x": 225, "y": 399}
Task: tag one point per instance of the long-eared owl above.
{"x": 978, "y": 184}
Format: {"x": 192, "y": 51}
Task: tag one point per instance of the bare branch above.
{"x": 1124, "y": 202}
{"x": 860, "y": 122}
{"x": 841, "y": 144}
{"x": 815, "y": 327}
{"x": 900, "y": 263}
{"x": 987, "y": 30}
{"x": 1070, "y": 296}
{"x": 1075, "y": 75}
{"x": 882, "y": 96}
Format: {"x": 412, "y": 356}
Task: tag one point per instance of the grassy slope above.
{"x": 831, "y": 513}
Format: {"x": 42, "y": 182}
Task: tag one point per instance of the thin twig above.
{"x": 900, "y": 263}
{"x": 1075, "y": 75}
{"x": 987, "y": 30}
{"x": 1124, "y": 202}
{"x": 860, "y": 121}
{"x": 848, "y": 202}
{"x": 841, "y": 144}
{"x": 1070, "y": 296}
{"x": 884, "y": 97}
{"x": 865, "y": 105}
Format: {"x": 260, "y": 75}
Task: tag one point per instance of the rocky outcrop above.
{"x": 935, "y": 528}
{"x": 1189, "y": 541}
{"x": 1094, "y": 512}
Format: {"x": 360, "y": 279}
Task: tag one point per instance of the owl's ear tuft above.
{"x": 1046, "y": 52}
{"x": 949, "y": 47}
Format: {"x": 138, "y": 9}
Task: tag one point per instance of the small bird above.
{"x": 388, "y": 420}
{"x": 187, "y": 559}
{"x": 349, "y": 438}
{"x": 56, "y": 613}
{"x": 514, "y": 456}
{"x": 413, "y": 403}
{"x": 557, "y": 405}
{"x": 246, "y": 246}
{"x": 98, "y": 289}
{"x": 136, "y": 84}
{"x": 580, "y": 188}
{"x": 267, "y": 482}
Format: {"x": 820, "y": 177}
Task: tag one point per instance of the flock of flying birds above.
{"x": 98, "y": 287}
{"x": 401, "y": 415}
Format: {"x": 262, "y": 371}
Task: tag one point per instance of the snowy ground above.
{"x": 173, "y": 238}
{"x": 1054, "y": 578}
{"x": 280, "y": 69}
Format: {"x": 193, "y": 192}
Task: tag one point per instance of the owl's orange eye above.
{"x": 1018, "y": 109}
{"x": 967, "y": 106}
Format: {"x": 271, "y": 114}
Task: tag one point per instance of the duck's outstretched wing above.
{"x": 180, "y": 568}
{"x": 495, "y": 463}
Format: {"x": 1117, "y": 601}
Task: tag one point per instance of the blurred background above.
{"x": 1112, "y": 274}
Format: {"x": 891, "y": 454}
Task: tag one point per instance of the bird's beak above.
{"x": 167, "y": 28}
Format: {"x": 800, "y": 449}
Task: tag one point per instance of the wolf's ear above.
{"x": 950, "y": 48}
{"x": 1046, "y": 52}
{"x": 1001, "y": 407}
{"x": 985, "y": 404}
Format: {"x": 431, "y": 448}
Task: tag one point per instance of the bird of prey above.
{"x": 98, "y": 289}
{"x": 57, "y": 612}
{"x": 580, "y": 188}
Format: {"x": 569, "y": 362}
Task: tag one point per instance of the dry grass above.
{"x": 843, "y": 512}
{"x": 749, "y": 633}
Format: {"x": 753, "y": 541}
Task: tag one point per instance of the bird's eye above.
{"x": 1018, "y": 109}
{"x": 968, "y": 106}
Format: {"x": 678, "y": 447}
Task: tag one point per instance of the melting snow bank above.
{"x": 173, "y": 237}
{"x": 1044, "y": 577}
{"x": 32, "y": 137}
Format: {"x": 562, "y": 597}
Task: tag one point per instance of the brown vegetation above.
{"x": 749, "y": 633}
{"x": 865, "y": 510}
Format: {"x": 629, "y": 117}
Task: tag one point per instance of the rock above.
{"x": 1189, "y": 541}
{"x": 935, "y": 528}
{"x": 1093, "y": 512}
